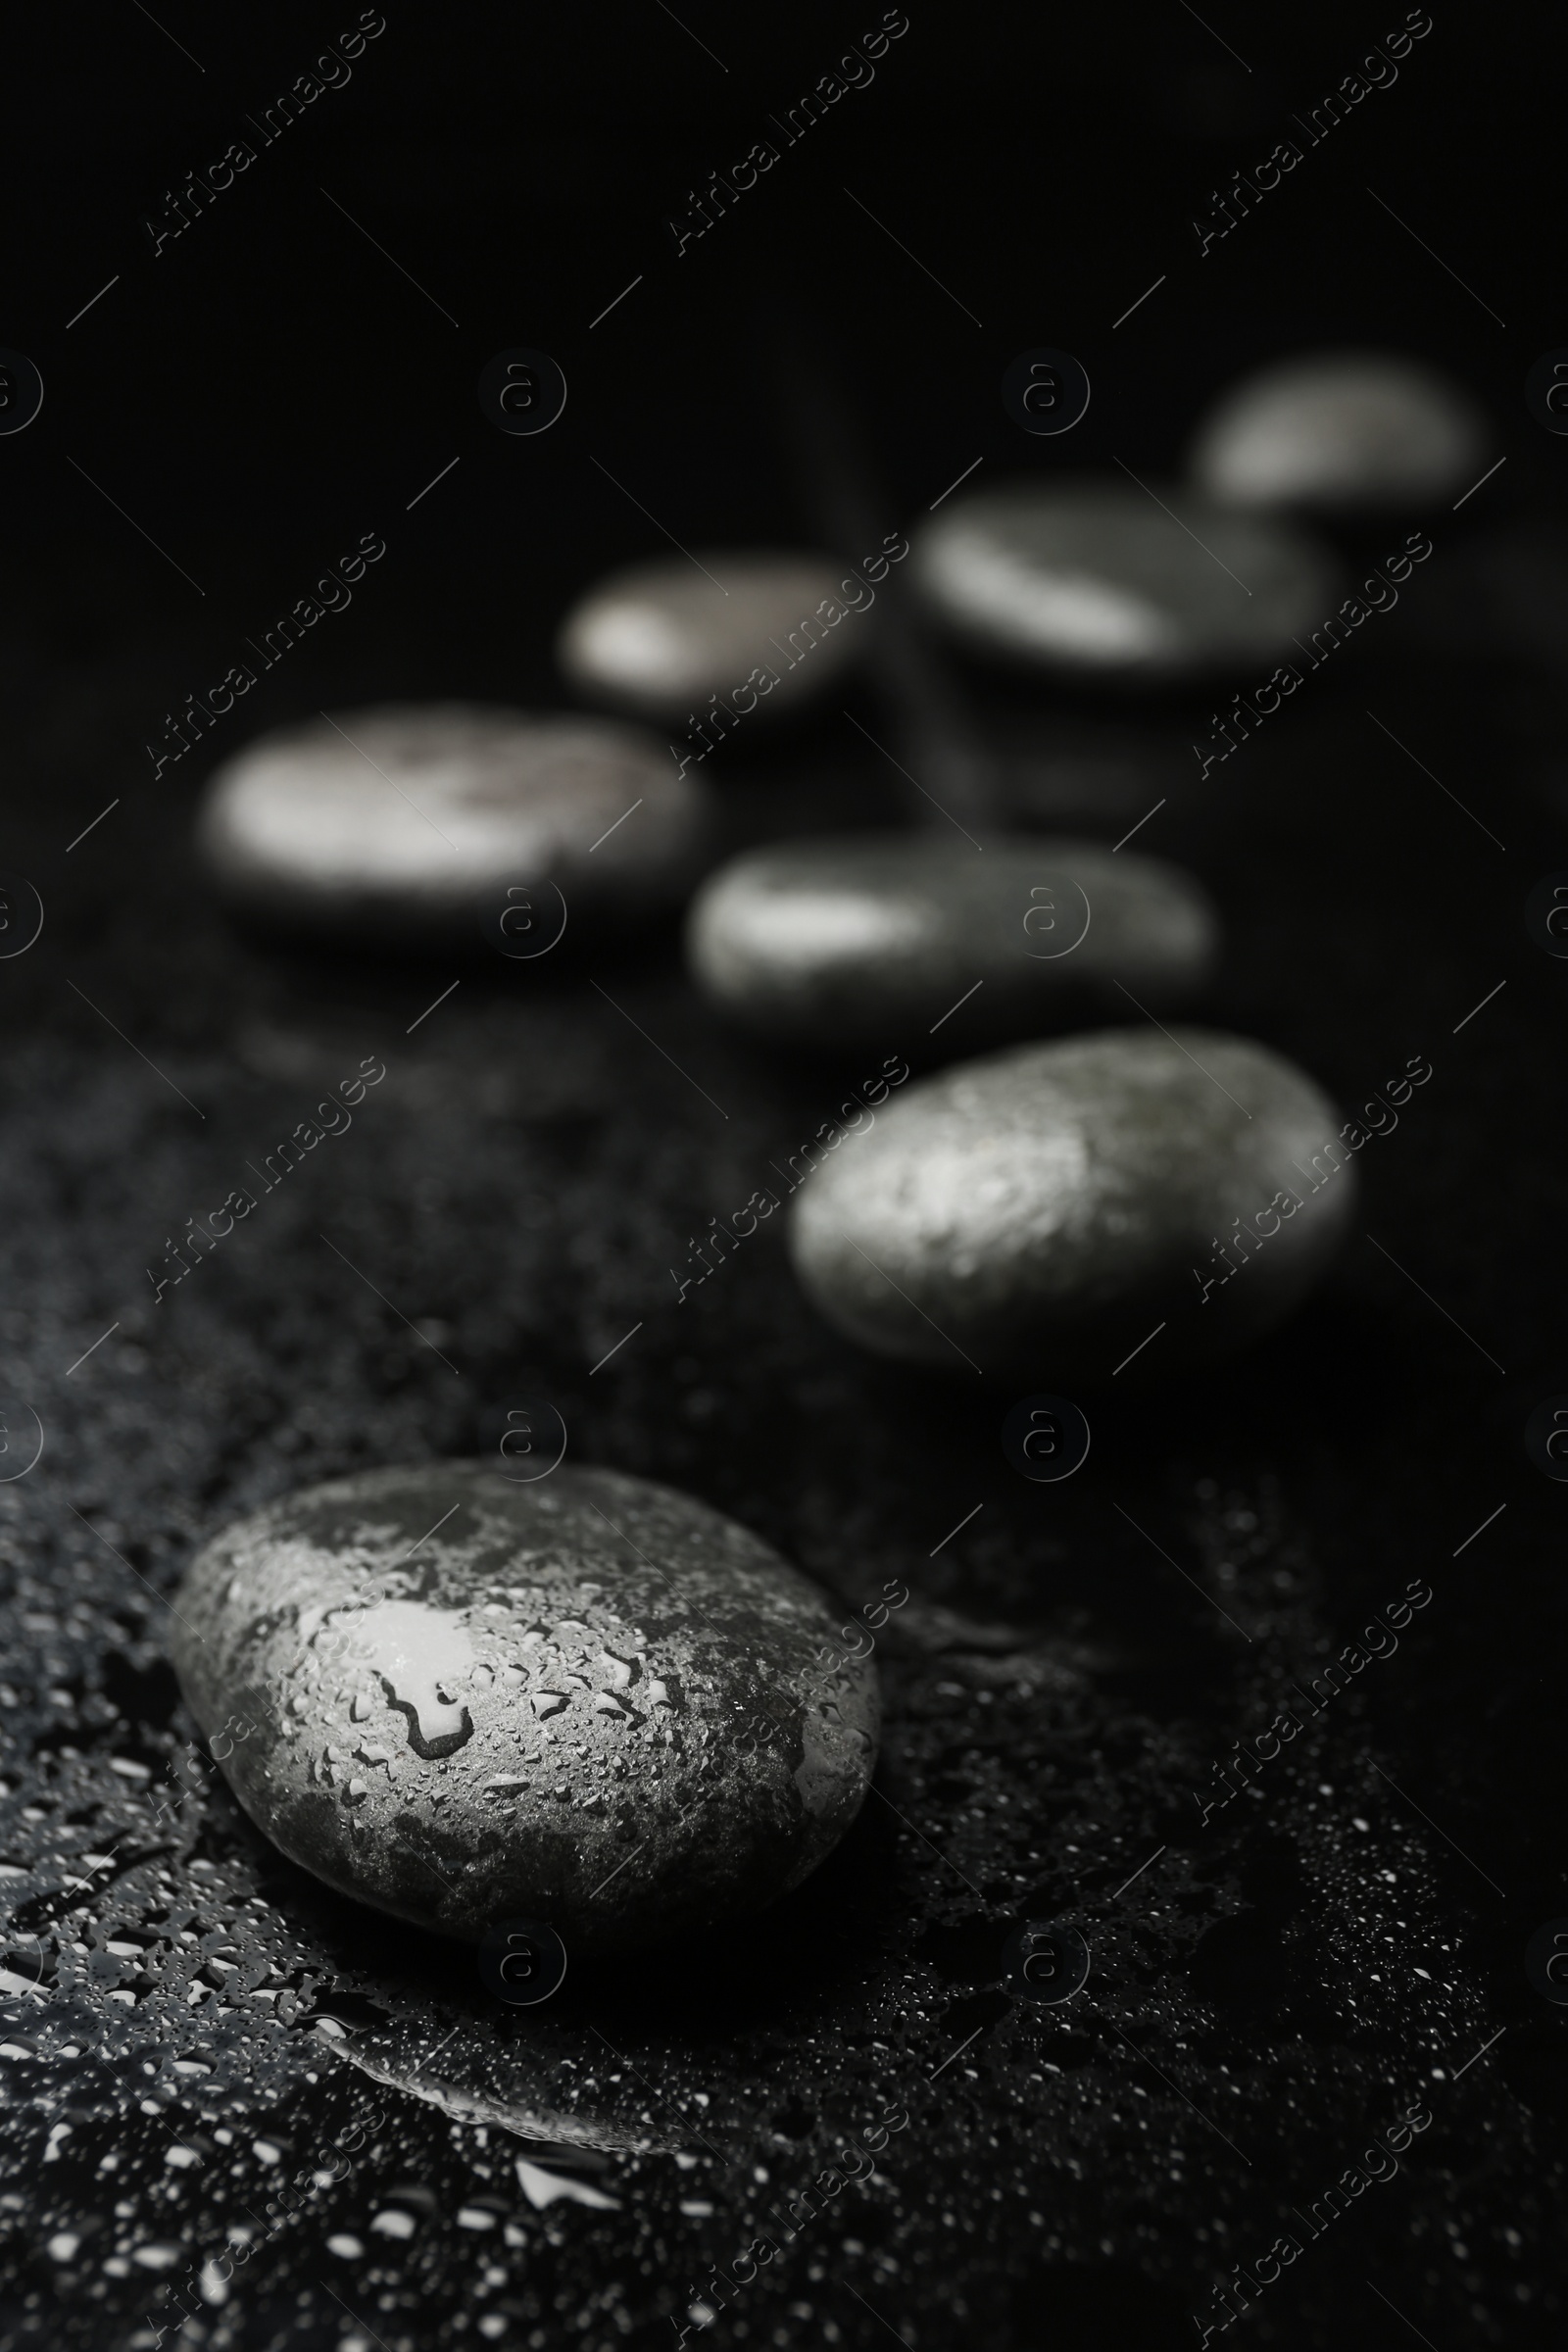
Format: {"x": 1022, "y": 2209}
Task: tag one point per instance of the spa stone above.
{"x": 1044, "y": 1211}
{"x": 765, "y": 633}
{"x": 403, "y": 821}
{"x": 1105, "y": 582}
{"x": 590, "y": 1702}
{"x": 873, "y": 938}
{"x": 1341, "y": 433}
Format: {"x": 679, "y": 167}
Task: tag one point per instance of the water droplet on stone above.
{"x": 423, "y": 1656}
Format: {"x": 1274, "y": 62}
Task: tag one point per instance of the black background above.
{"x": 1272, "y": 1989}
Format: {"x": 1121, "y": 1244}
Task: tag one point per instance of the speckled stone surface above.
{"x": 1106, "y": 580}
{"x": 402, "y": 822}
{"x": 587, "y": 1699}
{"x": 875, "y": 937}
{"x": 1344, "y": 433}
{"x": 1042, "y": 1209}
{"x": 661, "y": 639}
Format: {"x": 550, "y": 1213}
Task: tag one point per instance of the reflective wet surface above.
{"x": 235, "y": 2096}
{"x": 1285, "y": 1946}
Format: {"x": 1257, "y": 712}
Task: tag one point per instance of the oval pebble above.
{"x": 1341, "y": 432}
{"x": 872, "y": 938}
{"x": 590, "y": 1702}
{"x": 1046, "y": 1209}
{"x": 401, "y": 820}
{"x": 661, "y": 639}
{"x": 1101, "y": 580}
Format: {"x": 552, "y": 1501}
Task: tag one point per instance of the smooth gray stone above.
{"x": 1043, "y": 1210}
{"x": 872, "y": 938}
{"x": 470, "y": 1700}
{"x": 1341, "y": 432}
{"x": 403, "y": 820}
{"x": 1101, "y": 580}
{"x": 659, "y": 639}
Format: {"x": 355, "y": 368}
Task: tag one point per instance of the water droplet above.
{"x": 543, "y": 2188}
{"x": 423, "y": 1655}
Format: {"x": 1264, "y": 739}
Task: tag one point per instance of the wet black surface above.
{"x": 1271, "y": 1982}
{"x": 232, "y": 2094}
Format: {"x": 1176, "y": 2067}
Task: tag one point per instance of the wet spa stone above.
{"x": 873, "y": 938}
{"x": 403, "y": 821}
{"x": 661, "y": 639}
{"x": 589, "y": 1700}
{"x": 1341, "y": 432}
{"x": 1106, "y": 582}
{"x": 1043, "y": 1210}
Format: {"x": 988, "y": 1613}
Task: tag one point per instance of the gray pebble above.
{"x": 1043, "y": 1210}
{"x": 664, "y": 639}
{"x": 871, "y": 939}
{"x": 464, "y": 1700}
{"x": 1341, "y": 432}
{"x": 1104, "y": 581}
{"x": 404, "y": 820}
